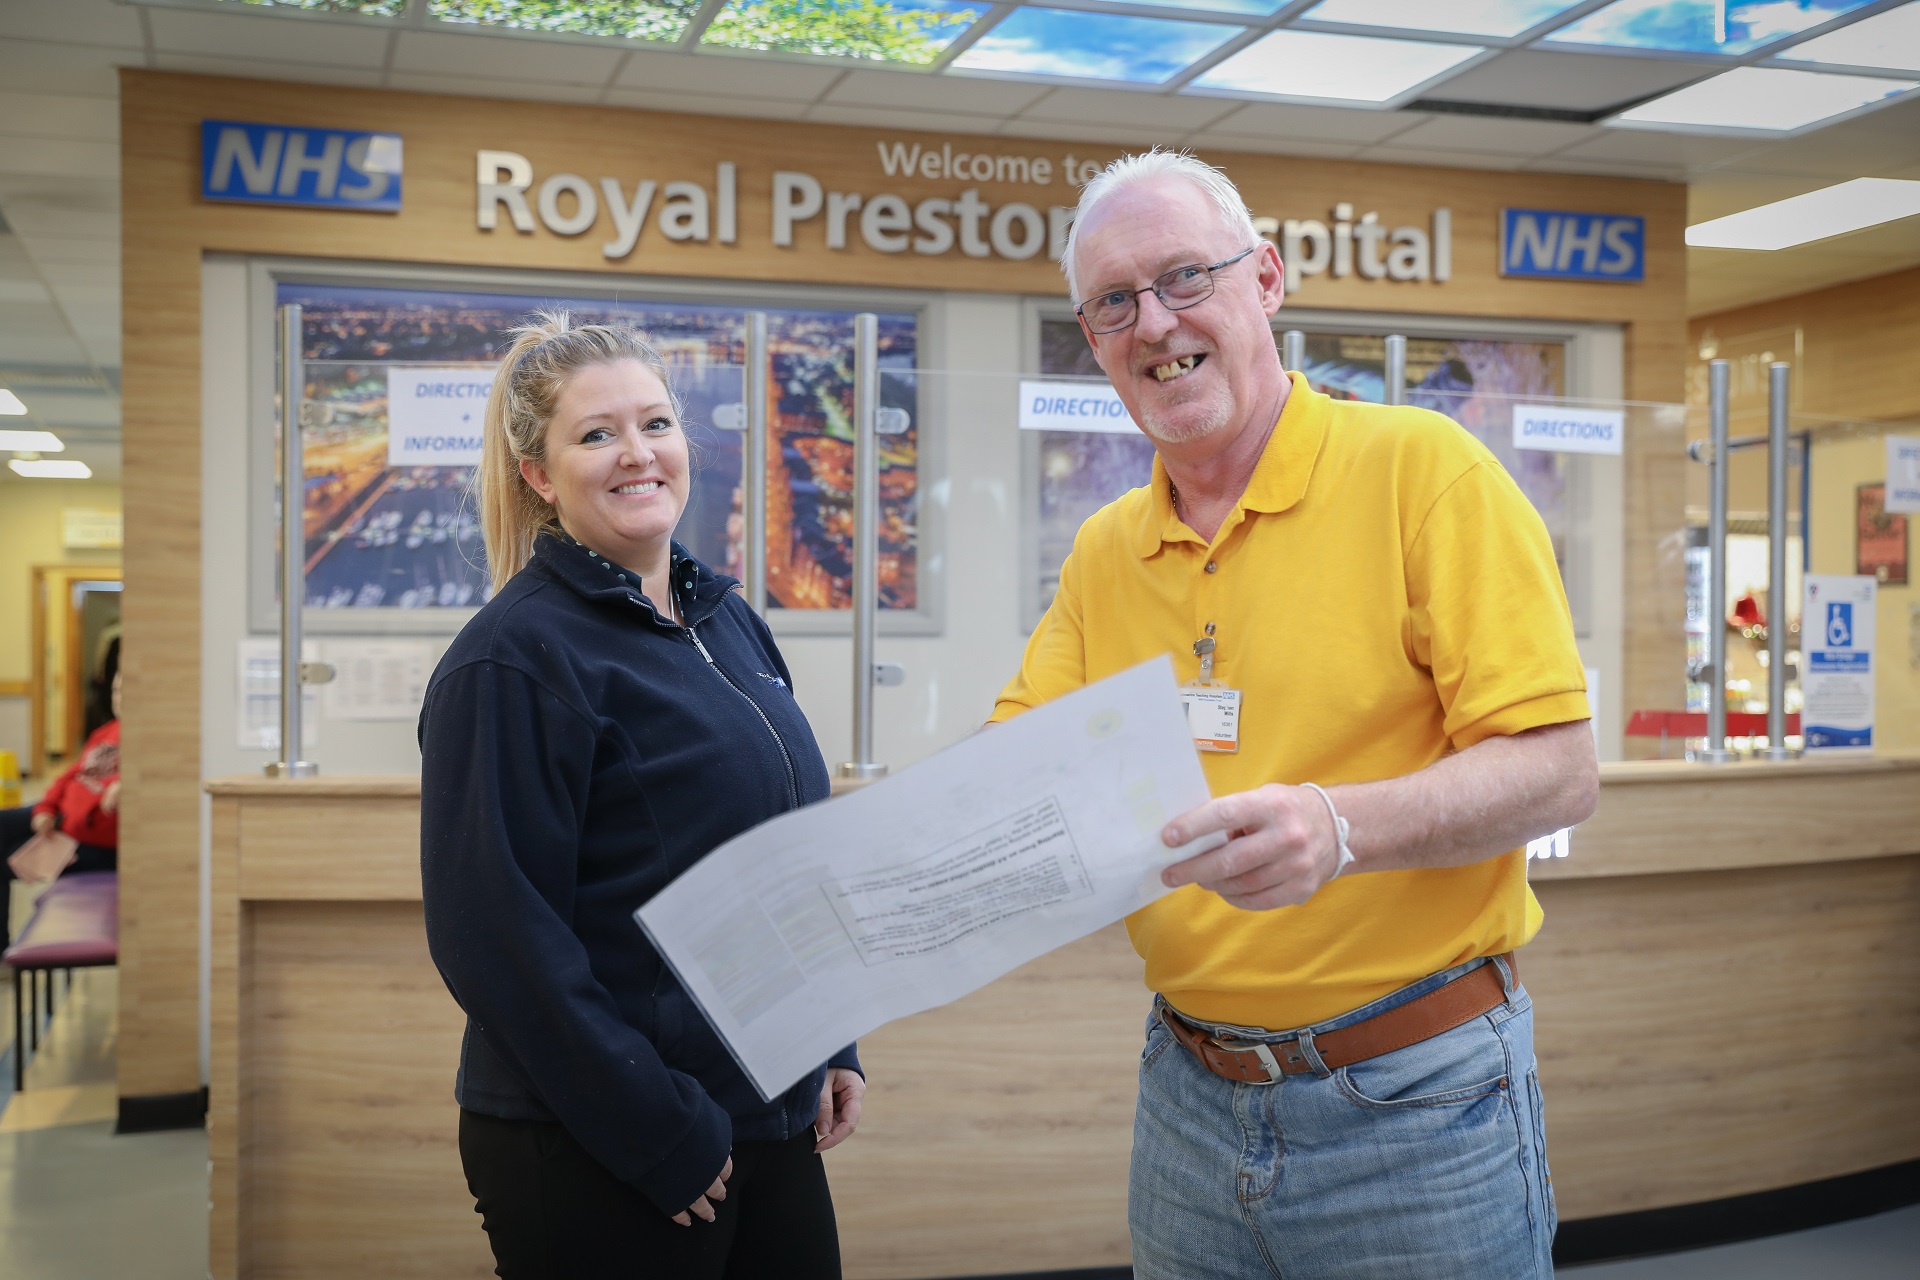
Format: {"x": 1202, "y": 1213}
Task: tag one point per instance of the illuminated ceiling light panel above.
{"x": 1219, "y": 6}
{"x": 1889, "y": 39}
{"x": 10, "y": 405}
{"x": 629, "y": 20}
{"x": 1093, "y": 46}
{"x": 32, "y": 441}
{"x": 1312, "y": 64}
{"x": 368, "y": 8}
{"x": 50, "y": 469}
{"x": 1761, "y": 100}
{"x": 1701, "y": 26}
{"x": 1830, "y": 211}
{"x": 1494, "y": 19}
{"x": 912, "y": 32}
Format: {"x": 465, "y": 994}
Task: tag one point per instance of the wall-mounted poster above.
{"x": 1476, "y": 382}
{"x": 391, "y": 523}
{"x": 1879, "y": 537}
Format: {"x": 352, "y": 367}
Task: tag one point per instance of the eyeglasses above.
{"x": 1177, "y": 290}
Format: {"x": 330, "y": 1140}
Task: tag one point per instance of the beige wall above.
{"x": 1851, "y": 347}
{"x": 30, "y": 538}
{"x": 1838, "y": 466}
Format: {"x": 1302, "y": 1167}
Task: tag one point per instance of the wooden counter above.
{"x": 1727, "y": 986}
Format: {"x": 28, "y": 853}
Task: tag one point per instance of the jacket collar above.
{"x": 1279, "y": 478}
{"x": 590, "y": 576}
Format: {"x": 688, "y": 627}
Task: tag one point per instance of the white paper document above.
{"x": 811, "y": 930}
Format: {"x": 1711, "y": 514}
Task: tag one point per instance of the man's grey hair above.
{"x": 1128, "y": 170}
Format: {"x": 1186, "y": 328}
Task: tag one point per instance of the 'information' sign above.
{"x": 1562, "y": 430}
{"x": 434, "y": 415}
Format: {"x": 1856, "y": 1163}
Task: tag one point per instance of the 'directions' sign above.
{"x": 434, "y": 415}
{"x": 1073, "y": 406}
{"x": 1557, "y": 429}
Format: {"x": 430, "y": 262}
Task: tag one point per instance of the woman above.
{"x": 83, "y": 802}
{"x": 615, "y": 712}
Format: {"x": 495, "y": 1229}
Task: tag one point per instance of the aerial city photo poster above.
{"x": 385, "y": 532}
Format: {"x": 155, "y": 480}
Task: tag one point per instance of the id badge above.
{"x": 1213, "y": 717}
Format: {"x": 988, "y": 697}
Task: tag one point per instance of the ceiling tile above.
{"x": 712, "y": 74}
{"x": 253, "y": 69}
{"x": 13, "y": 289}
{"x": 62, "y": 276}
{"x": 1869, "y": 146}
{"x": 894, "y": 118}
{"x": 76, "y": 409}
{"x": 702, "y": 104}
{"x": 1719, "y": 194}
{"x": 1569, "y": 81}
{"x": 59, "y": 158}
{"x": 1115, "y": 107}
{"x": 1397, "y": 154}
{"x": 33, "y": 66}
{"x": 50, "y": 250}
{"x": 935, "y": 93}
{"x": 90, "y": 22}
{"x": 1315, "y": 124}
{"x": 511, "y": 57}
{"x": 1136, "y": 138}
{"x": 1482, "y": 133}
{"x": 247, "y": 35}
{"x": 1209, "y": 141}
{"x": 49, "y": 116}
{"x": 29, "y": 217}
{"x": 489, "y": 87}
{"x": 1644, "y": 146}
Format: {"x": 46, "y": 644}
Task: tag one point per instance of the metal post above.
{"x": 1778, "y": 375}
{"x": 753, "y": 493}
{"x": 1396, "y": 374}
{"x": 866, "y": 538}
{"x": 1293, "y": 349}
{"x": 1716, "y": 751}
{"x": 293, "y": 569}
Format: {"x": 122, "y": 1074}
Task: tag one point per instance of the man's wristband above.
{"x": 1340, "y": 828}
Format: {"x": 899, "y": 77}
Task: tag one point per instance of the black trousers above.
{"x": 552, "y": 1212}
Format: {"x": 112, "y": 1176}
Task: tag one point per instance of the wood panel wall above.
{"x": 167, "y": 228}
{"x": 1856, "y": 358}
{"x": 1724, "y": 1002}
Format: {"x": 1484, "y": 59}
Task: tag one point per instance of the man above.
{"x": 1339, "y": 1074}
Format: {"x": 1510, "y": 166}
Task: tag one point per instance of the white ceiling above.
{"x": 59, "y": 145}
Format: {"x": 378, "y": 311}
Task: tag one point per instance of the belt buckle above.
{"x": 1263, "y": 1052}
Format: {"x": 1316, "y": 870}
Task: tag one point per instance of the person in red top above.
{"x": 84, "y": 802}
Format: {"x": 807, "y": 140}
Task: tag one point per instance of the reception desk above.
{"x": 1727, "y": 987}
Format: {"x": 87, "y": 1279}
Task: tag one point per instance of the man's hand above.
{"x": 840, "y": 1100}
{"x": 701, "y": 1207}
{"x": 42, "y": 823}
{"x": 1281, "y": 847}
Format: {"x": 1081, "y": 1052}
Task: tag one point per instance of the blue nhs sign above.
{"x": 317, "y": 168}
{"x": 1550, "y": 244}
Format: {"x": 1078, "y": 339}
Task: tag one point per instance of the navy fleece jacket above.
{"x": 578, "y": 752}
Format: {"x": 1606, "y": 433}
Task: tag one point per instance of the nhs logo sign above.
{"x": 1549, "y": 244}
{"x": 317, "y": 168}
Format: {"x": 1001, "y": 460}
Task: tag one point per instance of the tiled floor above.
{"x": 1883, "y": 1247}
{"x": 77, "y": 1203}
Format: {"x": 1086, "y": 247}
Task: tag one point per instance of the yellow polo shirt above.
{"x": 1383, "y": 594}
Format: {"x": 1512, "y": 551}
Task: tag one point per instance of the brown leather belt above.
{"x": 1467, "y": 997}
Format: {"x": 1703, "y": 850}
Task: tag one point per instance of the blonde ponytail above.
{"x": 525, "y": 393}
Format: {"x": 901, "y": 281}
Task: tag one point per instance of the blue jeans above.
{"x": 1427, "y": 1163}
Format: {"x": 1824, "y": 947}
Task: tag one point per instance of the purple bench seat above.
{"x": 75, "y": 925}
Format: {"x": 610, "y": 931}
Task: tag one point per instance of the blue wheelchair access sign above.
{"x": 1552, "y": 244}
{"x": 289, "y": 165}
